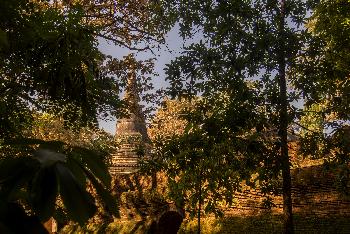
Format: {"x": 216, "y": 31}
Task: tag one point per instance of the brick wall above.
{"x": 317, "y": 206}
{"x": 314, "y": 194}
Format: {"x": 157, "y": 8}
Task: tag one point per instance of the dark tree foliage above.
{"x": 322, "y": 73}
{"x": 48, "y": 55}
{"x": 217, "y": 151}
{"x": 243, "y": 41}
{"x": 50, "y": 62}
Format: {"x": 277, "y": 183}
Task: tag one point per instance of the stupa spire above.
{"x": 131, "y": 132}
{"x": 131, "y": 96}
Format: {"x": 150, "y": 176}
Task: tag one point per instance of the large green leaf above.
{"x": 14, "y": 174}
{"x": 76, "y": 168}
{"x": 44, "y": 192}
{"x": 78, "y": 202}
{"x": 106, "y": 197}
{"x": 48, "y": 158}
{"x": 94, "y": 162}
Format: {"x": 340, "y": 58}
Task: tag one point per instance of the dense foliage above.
{"x": 245, "y": 72}
{"x": 187, "y": 143}
{"x": 322, "y": 74}
{"x": 51, "y": 65}
{"x": 242, "y": 41}
{"x": 270, "y": 44}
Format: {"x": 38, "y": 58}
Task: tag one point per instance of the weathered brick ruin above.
{"x": 318, "y": 207}
{"x": 314, "y": 194}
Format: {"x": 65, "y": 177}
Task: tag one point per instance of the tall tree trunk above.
{"x": 283, "y": 126}
{"x": 199, "y": 202}
{"x": 199, "y": 213}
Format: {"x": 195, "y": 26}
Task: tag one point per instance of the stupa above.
{"x": 131, "y": 133}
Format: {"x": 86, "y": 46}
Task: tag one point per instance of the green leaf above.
{"x": 76, "y": 169}
{"x": 44, "y": 192}
{"x": 94, "y": 162}
{"x": 106, "y": 197}
{"x": 48, "y": 158}
{"x": 78, "y": 202}
{"x": 14, "y": 174}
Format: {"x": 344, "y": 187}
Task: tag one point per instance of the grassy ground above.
{"x": 268, "y": 224}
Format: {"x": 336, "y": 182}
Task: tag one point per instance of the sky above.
{"x": 167, "y": 52}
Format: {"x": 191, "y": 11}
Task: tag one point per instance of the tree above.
{"x": 48, "y": 127}
{"x": 243, "y": 40}
{"x": 61, "y": 66}
{"x": 63, "y": 52}
{"x": 167, "y": 121}
{"x": 206, "y": 153}
{"x": 50, "y": 63}
{"x": 47, "y": 57}
{"x": 322, "y": 72}
{"x": 58, "y": 167}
